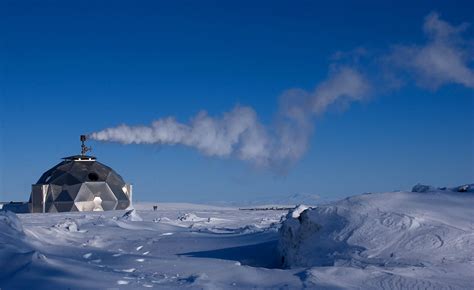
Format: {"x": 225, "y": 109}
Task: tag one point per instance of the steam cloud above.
{"x": 444, "y": 59}
{"x": 239, "y": 133}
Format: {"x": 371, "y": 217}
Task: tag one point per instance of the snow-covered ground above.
{"x": 395, "y": 240}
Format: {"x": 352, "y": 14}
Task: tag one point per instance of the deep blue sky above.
{"x": 71, "y": 68}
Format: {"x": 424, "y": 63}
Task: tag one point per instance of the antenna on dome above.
{"x": 84, "y": 148}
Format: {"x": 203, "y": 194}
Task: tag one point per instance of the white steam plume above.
{"x": 238, "y": 133}
{"x": 445, "y": 58}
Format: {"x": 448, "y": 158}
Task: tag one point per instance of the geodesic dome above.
{"x": 80, "y": 183}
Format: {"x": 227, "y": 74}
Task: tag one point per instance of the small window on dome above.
{"x": 93, "y": 176}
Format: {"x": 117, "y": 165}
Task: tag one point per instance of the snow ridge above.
{"x": 386, "y": 238}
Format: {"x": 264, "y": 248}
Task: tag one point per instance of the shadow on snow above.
{"x": 258, "y": 255}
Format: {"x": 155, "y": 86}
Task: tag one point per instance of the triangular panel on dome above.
{"x": 63, "y": 206}
{"x": 45, "y": 177}
{"x": 47, "y": 206}
{"x": 109, "y": 205}
{"x": 65, "y": 179}
{"x": 64, "y": 166}
{"x": 73, "y": 190}
{"x": 101, "y": 170}
{"x": 84, "y": 194}
{"x": 117, "y": 185}
{"x": 54, "y": 191}
{"x": 49, "y": 196}
{"x": 101, "y": 189}
{"x": 64, "y": 197}
{"x": 57, "y": 171}
{"x": 52, "y": 208}
{"x": 80, "y": 169}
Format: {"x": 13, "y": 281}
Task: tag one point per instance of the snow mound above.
{"x": 11, "y": 230}
{"x": 131, "y": 215}
{"x": 296, "y": 212}
{"x": 15, "y": 250}
{"x": 428, "y": 188}
{"x": 68, "y": 225}
{"x": 465, "y": 188}
{"x": 10, "y": 225}
{"x": 190, "y": 217}
{"x": 392, "y": 230}
{"x": 310, "y": 238}
{"x": 423, "y": 188}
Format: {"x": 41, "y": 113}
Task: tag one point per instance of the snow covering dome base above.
{"x": 80, "y": 183}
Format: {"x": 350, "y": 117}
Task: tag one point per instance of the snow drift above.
{"x": 16, "y": 252}
{"x": 431, "y": 229}
{"x": 399, "y": 240}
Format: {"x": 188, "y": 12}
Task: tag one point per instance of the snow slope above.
{"x": 397, "y": 240}
{"x": 177, "y": 246}
{"x": 390, "y": 240}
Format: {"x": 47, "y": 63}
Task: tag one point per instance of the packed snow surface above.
{"x": 397, "y": 240}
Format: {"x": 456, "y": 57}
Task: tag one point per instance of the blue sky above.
{"x": 73, "y": 68}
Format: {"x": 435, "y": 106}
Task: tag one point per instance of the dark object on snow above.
{"x": 427, "y": 188}
{"x": 422, "y": 188}
{"x": 465, "y": 188}
{"x": 155, "y": 207}
{"x": 15, "y": 206}
{"x": 80, "y": 183}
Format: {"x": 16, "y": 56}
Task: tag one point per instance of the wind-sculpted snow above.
{"x": 16, "y": 253}
{"x": 399, "y": 240}
{"x": 393, "y": 240}
{"x": 177, "y": 246}
{"x": 131, "y": 215}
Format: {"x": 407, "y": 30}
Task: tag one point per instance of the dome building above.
{"x": 80, "y": 183}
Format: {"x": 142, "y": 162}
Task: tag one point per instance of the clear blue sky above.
{"x": 69, "y": 68}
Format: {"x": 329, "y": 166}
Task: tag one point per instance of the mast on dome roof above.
{"x": 84, "y": 148}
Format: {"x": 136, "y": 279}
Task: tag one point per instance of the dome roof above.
{"x": 82, "y": 183}
{"x": 70, "y": 172}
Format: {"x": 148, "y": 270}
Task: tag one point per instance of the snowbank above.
{"x": 15, "y": 250}
{"x": 68, "y": 225}
{"x": 296, "y": 212}
{"x": 191, "y": 217}
{"x": 428, "y": 188}
{"x": 398, "y": 229}
{"x": 131, "y": 215}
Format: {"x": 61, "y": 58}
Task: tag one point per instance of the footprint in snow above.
{"x": 87, "y": 256}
